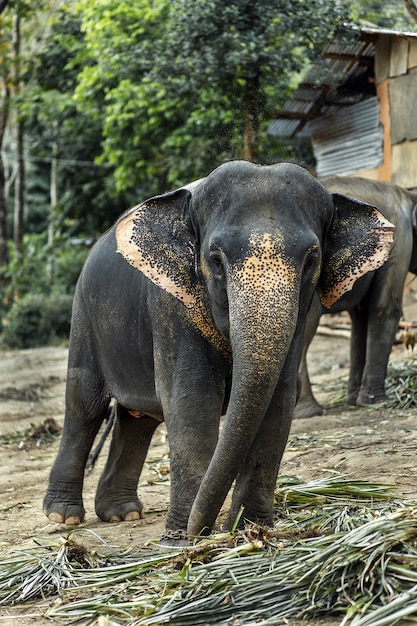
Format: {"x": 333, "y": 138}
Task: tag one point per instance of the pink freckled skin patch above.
{"x": 127, "y": 246}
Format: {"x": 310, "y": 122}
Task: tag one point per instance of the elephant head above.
{"x": 242, "y": 251}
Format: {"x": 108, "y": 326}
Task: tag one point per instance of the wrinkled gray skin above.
{"x": 193, "y": 305}
{"x": 375, "y": 302}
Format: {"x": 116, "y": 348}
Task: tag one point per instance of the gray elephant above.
{"x": 193, "y": 305}
{"x": 374, "y": 303}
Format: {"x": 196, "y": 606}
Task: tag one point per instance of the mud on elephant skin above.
{"x": 193, "y": 305}
{"x": 374, "y": 303}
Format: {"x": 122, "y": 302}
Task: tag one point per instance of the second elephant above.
{"x": 374, "y": 303}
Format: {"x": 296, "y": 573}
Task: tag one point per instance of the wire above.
{"x": 35, "y": 159}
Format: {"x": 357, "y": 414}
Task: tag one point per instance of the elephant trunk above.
{"x": 263, "y": 317}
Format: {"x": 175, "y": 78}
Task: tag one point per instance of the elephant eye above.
{"x": 216, "y": 263}
{"x": 311, "y": 263}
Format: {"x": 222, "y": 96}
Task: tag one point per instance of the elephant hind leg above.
{"x": 358, "y": 356}
{"x": 87, "y": 405}
{"x": 116, "y": 497}
{"x": 307, "y": 405}
{"x": 382, "y": 327}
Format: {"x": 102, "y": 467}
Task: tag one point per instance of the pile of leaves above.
{"x": 338, "y": 546}
{"x": 47, "y": 431}
{"x": 401, "y": 384}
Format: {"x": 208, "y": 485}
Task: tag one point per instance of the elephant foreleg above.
{"x": 192, "y": 398}
{"x": 256, "y": 482}
{"x": 193, "y": 439}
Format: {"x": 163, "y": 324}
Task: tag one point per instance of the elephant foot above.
{"x": 257, "y": 511}
{"x": 63, "y": 507}
{"x": 174, "y": 539}
{"x": 308, "y": 408}
{"x": 117, "y": 501}
{"x": 129, "y": 511}
{"x": 368, "y": 398}
{"x": 352, "y": 397}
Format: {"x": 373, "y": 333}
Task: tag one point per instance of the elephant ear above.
{"x": 157, "y": 239}
{"x": 358, "y": 242}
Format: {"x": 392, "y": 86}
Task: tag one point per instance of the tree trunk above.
{"x": 251, "y": 116}
{"x": 53, "y": 200}
{"x": 20, "y": 178}
{"x": 411, "y": 8}
{"x": 4, "y": 110}
{"x": 19, "y": 193}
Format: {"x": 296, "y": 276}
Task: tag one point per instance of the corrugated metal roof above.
{"x": 344, "y": 76}
{"x": 376, "y": 30}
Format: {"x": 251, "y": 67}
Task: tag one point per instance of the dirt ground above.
{"x": 375, "y": 444}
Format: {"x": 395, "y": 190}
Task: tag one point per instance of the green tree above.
{"x": 18, "y": 20}
{"x": 5, "y": 82}
{"x": 67, "y": 196}
{"x": 64, "y": 137}
{"x": 114, "y": 89}
{"x": 394, "y": 14}
{"x": 185, "y": 83}
{"x": 63, "y": 141}
{"x": 411, "y": 8}
{"x": 240, "y": 47}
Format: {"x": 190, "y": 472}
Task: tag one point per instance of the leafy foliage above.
{"x": 38, "y": 320}
{"x": 174, "y": 90}
{"x": 38, "y": 293}
{"x": 131, "y": 99}
{"x": 74, "y": 136}
{"x": 384, "y": 14}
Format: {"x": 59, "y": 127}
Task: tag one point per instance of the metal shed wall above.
{"x": 349, "y": 140}
{"x": 403, "y": 99}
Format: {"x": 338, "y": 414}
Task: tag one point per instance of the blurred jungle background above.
{"x": 105, "y": 103}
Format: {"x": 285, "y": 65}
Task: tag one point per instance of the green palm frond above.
{"x": 339, "y": 546}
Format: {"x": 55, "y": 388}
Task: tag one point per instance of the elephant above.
{"x": 190, "y": 308}
{"x": 374, "y": 303}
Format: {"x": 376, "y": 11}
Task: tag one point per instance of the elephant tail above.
{"x": 110, "y": 419}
